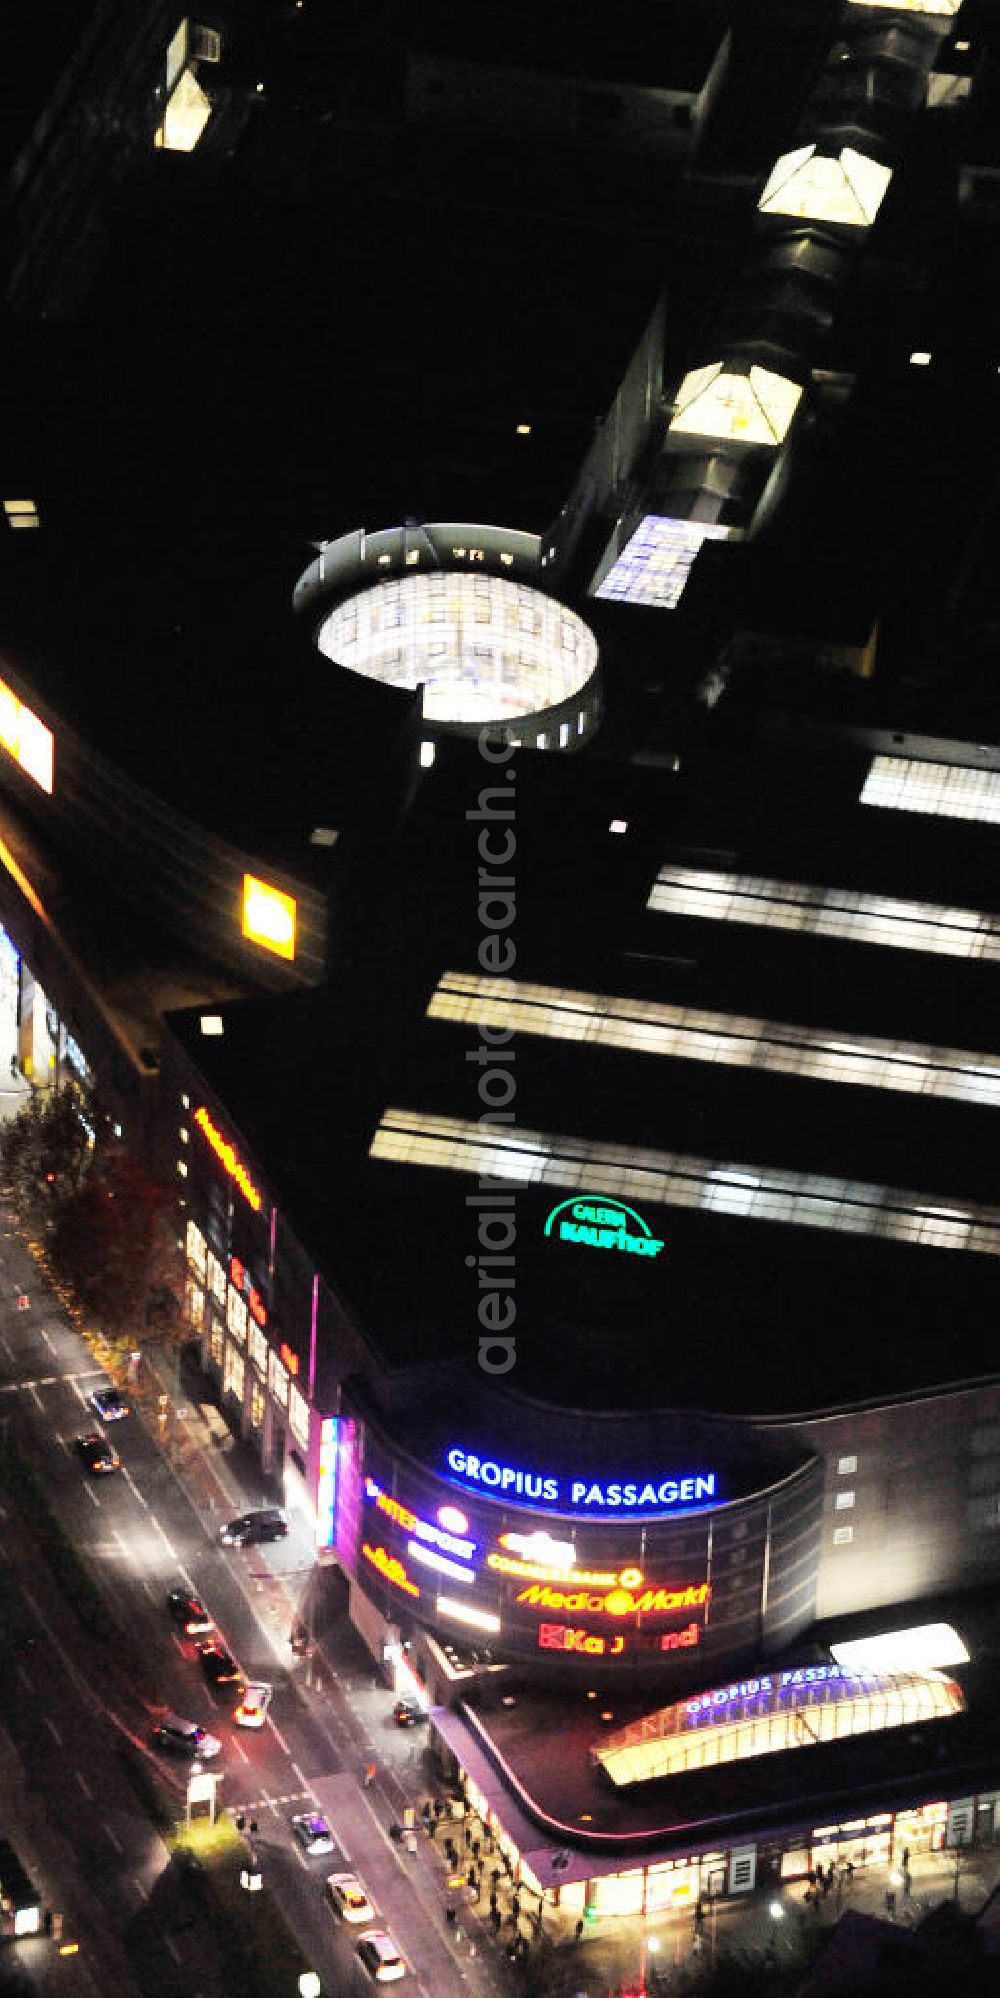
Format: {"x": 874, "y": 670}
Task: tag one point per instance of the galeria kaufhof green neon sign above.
{"x": 604, "y": 1225}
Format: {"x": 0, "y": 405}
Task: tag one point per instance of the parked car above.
{"x": 313, "y": 1833}
{"x": 184, "y": 1737}
{"x": 188, "y": 1613}
{"x": 110, "y": 1403}
{"x": 254, "y": 1703}
{"x": 98, "y": 1455}
{"x": 381, "y": 1957}
{"x": 349, "y": 1897}
{"x": 251, "y": 1528}
{"x": 218, "y": 1664}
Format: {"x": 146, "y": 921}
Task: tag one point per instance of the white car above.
{"x": 313, "y": 1833}
{"x": 381, "y": 1957}
{"x": 252, "y": 1709}
{"x": 349, "y": 1897}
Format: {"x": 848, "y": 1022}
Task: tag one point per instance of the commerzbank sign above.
{"x": 573, "y": 1493}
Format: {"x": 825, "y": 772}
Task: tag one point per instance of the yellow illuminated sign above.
{"x": 268, "y": 916}
{"x": 619, "y": 1601}
{"x": 228, "y": 1157}
{"x": 388, "y": 1565}
{"x": 26, "y": 738}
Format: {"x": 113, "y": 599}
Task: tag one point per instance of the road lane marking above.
{"x": 167, "y": 1542}
{"x": 84, "y": 1785}
{"x": 133, "y": 1487}
{"x": 8, "y": 1348}
{"x": 282, "y": 1743}
{"x": 302, "y": 1779}
{"x": 23, "y": 1676}
{"x": 53, "y": 1730}
{"x": 92, "y": 1495}
{"x": 116, "y": 1842}
{"x": 53, "y": 1348}
{"x": 143, "y": 1892}
{"x": 240, "y": 1750}
{"x": 36, "y": 1397}
{"x": 172, "y": 1947}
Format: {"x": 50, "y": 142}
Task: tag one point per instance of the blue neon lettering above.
{"x": 584, "y": 1494}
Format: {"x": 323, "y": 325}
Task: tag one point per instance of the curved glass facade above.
{"x": 798, "y": 1708}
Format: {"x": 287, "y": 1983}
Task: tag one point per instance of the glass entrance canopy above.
{"x": 798, "y": 1708}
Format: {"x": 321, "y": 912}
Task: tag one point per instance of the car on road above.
{"x": 251, "y": 1528}
{"x": 313, "y": 1833}
{"x": 110, "y": 1403}
{"x": 218, "y": 1664}
{"x": 188, "y": 1613}
{"x": 184, "y": 1737}
{"x": 253, "y": 1706}
{"x": 97, "y": 1455}
{"x": 408, "y": 1713}
{"x": 381, "y": 1957}
{"x": 349, "y": 1898}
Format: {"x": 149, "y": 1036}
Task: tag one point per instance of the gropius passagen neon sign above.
{"x": 229, "y": 1158}
{"x": 585, "y": 1495}
{"x": 602, "y": 1224}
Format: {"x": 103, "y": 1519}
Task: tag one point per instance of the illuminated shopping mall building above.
{"x": 565, "y": 994}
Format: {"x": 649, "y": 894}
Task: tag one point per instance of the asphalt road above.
{"x": 75, "y": 1705}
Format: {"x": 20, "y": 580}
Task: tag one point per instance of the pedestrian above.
{"x": 495, "y": 1878}
{"x": 371, "y": 1771}
{"x": 890, "y": 1903}
{"x": 449, "y": 1915}
{"x": 578, "y": 1931}
{"x": 438, "y": 1808}
{"x": 495, "y": 1918}
{"x": 812, "y": 1876}
{"x": 906, "y": 1859}
{"x": 468, "y": 1839}
{"x": 476, "y": 1848}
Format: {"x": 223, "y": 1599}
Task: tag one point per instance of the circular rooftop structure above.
{"x": 454, "y": 610}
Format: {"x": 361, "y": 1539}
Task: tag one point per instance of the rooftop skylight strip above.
{"x": 759, "y": 1193}
{"x": 845, "y": 913}
{"x": 939, "y": 790}
{"x": 687, "y": 1034}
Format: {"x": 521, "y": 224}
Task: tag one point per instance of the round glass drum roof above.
{"x": 486, "y": 650}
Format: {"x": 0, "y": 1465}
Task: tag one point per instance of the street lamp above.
{"x": 309, "y": 1984}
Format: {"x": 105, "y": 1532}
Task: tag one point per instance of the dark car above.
{"x": 408, "y": 1713}
{"x": 188, "y": 1613}
{"x": 251, "y": 1528}
{"x": 97, "y": 1455}
{"x": 184, "y": 1737}
{"x": 110, "y": 1403}
{"x": 218, "y": 1664}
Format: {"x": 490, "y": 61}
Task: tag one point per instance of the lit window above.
{"x": 675, "y": 1179}
{"x": 523, "y": 429}
{"x": 185, "y": 1102}
{"x": 21, "y": 513}
{"x": 564, "y": 733}
{"x": 298, "y": 1417}
{"x": 752, "y": 408}
{"x": 197, "y": 1248}
{"x": 920, "y": 358}
{"x": 618, "y": 826}
{"x": 541, "y": 740}
{"x": 277, "y": 1380}
{"x": 236, "y": 1316}
{"x": 846, "y": 1466}
{"x": 182, "y": 1168}
{"x": 25, "y": 737}
{"x": 428, "y": 751}
{"x": 269, "y": 916}
{"x": 211, "y": 1024}
{"x": 844, "y": 1502}
{"x": 258, "y": 1347}
{"x": 843, "y": 1535}
{"x": 923, "y": 1647}
{"x": 323, "y": 836}
{"x": 188, "y": 112}
{"x": 819, "y": 188}
{"x": 944, "y": 790}
{"x": 184, "y": 1134}
{"x": 688, "y": 1033}
{"x": 832, "y": 912}
{"x": 412, "y": 557}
